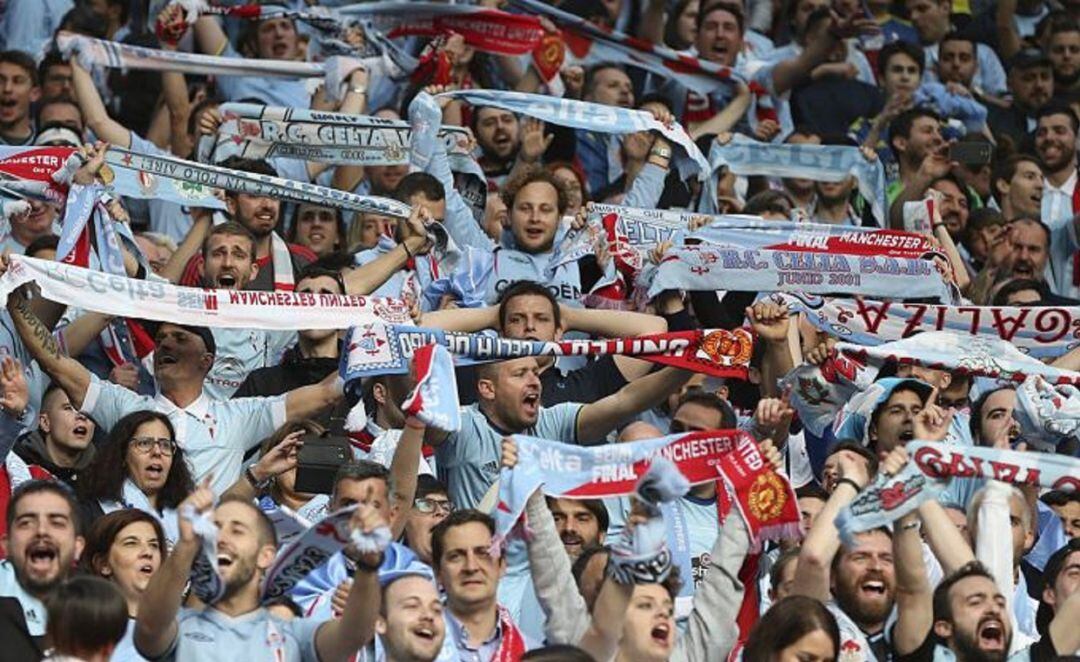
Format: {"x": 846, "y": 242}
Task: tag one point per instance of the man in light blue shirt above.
{"x": 214, "y": 434}
{"x": 273, "y": 39}
{"x": 237, "y": 627}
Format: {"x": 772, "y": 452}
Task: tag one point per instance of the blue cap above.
{"x": 860, "y": 409}
{"x": 400, "y": 561}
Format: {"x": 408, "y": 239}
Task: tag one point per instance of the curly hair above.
{"x": 104, "y": 478}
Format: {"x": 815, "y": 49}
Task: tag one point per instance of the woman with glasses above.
{"x": 125, "y": 547}
{"x": 140, "y": 466}
{"x": 430, "y": 507}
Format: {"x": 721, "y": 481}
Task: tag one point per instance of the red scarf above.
{"x": 1076, "y": 255}
{"x": 512, "y": 644}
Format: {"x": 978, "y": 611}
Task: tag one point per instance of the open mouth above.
{"x": 166, "y": 359}
{"x": 991, "y": 634}
{"x": 41, "y": 556}
{"x": 424, "y": 632}
{"x": 155, "y": 471}
{"x": 907, "y": 435}
{"x": 81, "y": 430}
{"x": 266, "y": 218}
{"x": 873, "y": 587}
{"x": 224, "y": 560}
{"x": 532, "y": 403}
{"x": 226, "y": 280}
{"x": 316, "y": 237}
{"x": 660, "y": 634}
{"x": 146, "y": 569}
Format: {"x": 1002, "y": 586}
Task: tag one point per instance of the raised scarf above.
{"x": 335, "y": 70}
{"x": 763, "y": 498}
{"x": 154, "y": 300}
{"x": 381, "y": 349}
{"x": 977, "y": 356}
{"x": 592, "y": 117}
{"x": 712, "y": 267}
{"x": 486, "y": 30}
{"x": 37, "y": 170}
{"x": 824, "y": 163}
{"x": 260, "y": 132}
{"x": 1039, "y": 331}
{"x": 927, "y": 475}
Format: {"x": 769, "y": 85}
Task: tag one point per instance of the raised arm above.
{"x": 93, "y": 108}
{"x": 209, "y": 37}
{"x": 39, "y": 341}
{"x": 155, "y": 627}
{"x": 403, "y": 471}
{"x": 412, "y": 240}
{"x": 823, "y": 540}
{"x": 598, "y": 418}
{"x": 550, "y": 567}
{"x": 914, "y": 596}
{"x": 612, "y": 324}
{"x": 338, "y": 639}
{"x": 310, "y": 401}
{"x": 945, "y": 541}
{"x": 201, "y": 221}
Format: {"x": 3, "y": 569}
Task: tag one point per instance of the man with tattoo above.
{"x": 213, "y": 433}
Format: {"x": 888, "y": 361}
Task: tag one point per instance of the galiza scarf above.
{"x": 931, "y": 467}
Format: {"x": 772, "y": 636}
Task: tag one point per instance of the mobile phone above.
{"x": 970, "y": 153}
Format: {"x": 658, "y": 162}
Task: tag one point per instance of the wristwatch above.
{"x": 661, "y": 151}
{"x": 259, "y": 485}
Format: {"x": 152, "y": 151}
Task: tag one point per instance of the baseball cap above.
{"x": 1029, "y": 57}
{"x": 203, "y": 332}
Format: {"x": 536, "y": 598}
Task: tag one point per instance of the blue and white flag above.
{"x": 824, "y": 163}
{"x": 592, "y": 117}
{"x": 435, "y": 398}
{"x": 933, "y": 465}
{"x": 709, "y": 267}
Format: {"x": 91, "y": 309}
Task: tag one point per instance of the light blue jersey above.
{"x": 1057, "y": 214}
{"x": 207, "y": 634}
{"x": 239, "y": 352}
{"x": 287, "y": 92}
{"x": 468, "y": 461}
{"x": 213, "y": 433}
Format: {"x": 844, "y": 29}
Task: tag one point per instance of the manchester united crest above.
{"x": 767, "y": 497}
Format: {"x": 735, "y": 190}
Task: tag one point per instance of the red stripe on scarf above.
{"x": 1076, "y": 255}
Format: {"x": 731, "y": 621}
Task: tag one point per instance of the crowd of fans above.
{"x": 971, "y": 103}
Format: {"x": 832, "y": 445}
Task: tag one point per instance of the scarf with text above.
{"x": 763, "y": 498}
{"x": 931, "y": 467}
{"x": 255, "y": 131}
{"x": 592, "y": 117}
{"x": 382, "y": 349}
{"x": 36, "y": 169}
{"x": 1039, "y": 331}
{"x": 486, "y": 30}
{"x": 960, "y": 354}
{"x": 239, "y": 181}
{"x": 712, "y": 267}
{"x": 825, "y": 163}
{"x": 327, "y": 537}
{"x": 122, "y": 340}
{"x": 590, "y": 44}
{"x": 156, "y": 300}
{"x": 334, "y": 71}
